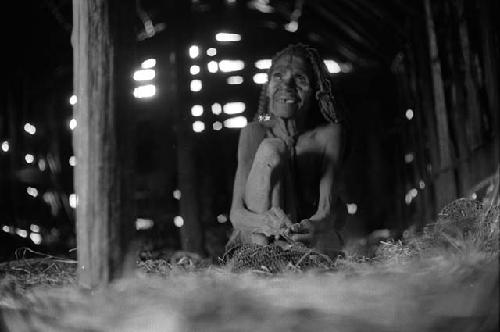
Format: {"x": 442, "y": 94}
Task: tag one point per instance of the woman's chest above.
{"x": 308, "y": 156}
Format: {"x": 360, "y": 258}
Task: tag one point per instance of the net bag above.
{"x": 275, "y": 258}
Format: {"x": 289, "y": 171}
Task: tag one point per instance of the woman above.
{"x": 289, "y": 158}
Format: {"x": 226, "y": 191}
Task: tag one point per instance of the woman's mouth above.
{"x": 288, "y": 100}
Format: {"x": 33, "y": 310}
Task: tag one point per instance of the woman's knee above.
{"x": 271, "y": 152}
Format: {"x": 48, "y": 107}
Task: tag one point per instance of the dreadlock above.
{"x": 323, "y": 96}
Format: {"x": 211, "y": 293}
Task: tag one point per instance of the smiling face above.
{"x": 290, "y": 87}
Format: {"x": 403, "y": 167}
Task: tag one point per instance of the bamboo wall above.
{"x": 449, "y": 76}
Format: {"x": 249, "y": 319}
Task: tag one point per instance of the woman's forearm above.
{"x": 328, "y": 216}
{"x": 247, "y": 221}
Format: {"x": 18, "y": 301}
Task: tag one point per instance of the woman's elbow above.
{"x": 235, "y": 217}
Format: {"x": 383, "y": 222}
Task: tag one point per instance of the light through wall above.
{"x": 409, "y": 114}
{"x": 196, "y": 85}
{"x": 145, "y": 91}
{"x": 221, "y": 218}
{"x": 293, "y": 26}
{"x": 236, "y": 122}
{"x": 29, "y": 128}
{"x": 260, "y": 78}
{"x": 178, "y": 221}
{"x": 42, "y": 164}
{"x": 177, "y": 194}
{"x": 197, "y": 110}
{"x": 36, "y": 238}
{"x": 213, "y": 67}
{"x": 72, "y": 124}
{"x": 142, "y": 224}
{"x": 73, "y": 201}
{"x": 352, "y": 208}
{"x": 148, "y": 63}
{"x": 194, "y": 70}
{"x": 73, "y": 100}
{"x": 144, "y": 74}
{"x": 409, "y": 157}
{"x": 194, "y": 51}
{"x": 332, "y": 66}
{"x": 234, "y": 80}
{"x": 410, "y": 195}
{"x": 198, "y": 126}
{"x": 227, "y": 37}
{"x": 236, "y": 107}
{"x": 5, "y": 146}
{"x": 22, "y": 232}
{"x": 227, "y": 66}
{"x": 33, "y": 192}
{"x": 216, "y": 108}
{"x": 263, "y": 64}
{"x": 29, "y": 158}
{"x": 217, "y": 125}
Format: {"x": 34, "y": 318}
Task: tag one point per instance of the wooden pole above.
{"x": 102, "y": 41}
{"x": 191, "y": 232}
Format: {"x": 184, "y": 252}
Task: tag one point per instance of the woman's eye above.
{"x": 301, "y": 79}
{"x": 277, "y": 76}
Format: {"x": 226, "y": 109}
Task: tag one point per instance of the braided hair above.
{"x": 323, "y": 96}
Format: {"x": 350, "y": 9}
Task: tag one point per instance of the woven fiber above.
{"x": 274, "y": 258}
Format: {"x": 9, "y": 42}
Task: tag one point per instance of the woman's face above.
{"x": 290, "y": 87}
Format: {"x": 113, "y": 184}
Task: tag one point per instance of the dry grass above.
{"x": 436, "y": 281}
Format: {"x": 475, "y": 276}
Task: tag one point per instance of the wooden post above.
{"x": 191, "y": 232}
{"x": 103, "y": 40}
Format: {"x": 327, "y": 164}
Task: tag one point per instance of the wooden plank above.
{"x": 345, "y": 32}
{"x": 444, "y": 175}
{"x": 102, "y": 40}
{"x": 419, "y": 82}
{"x": 439, "y": 96}
{"x": 410, "y": 83}
{"x": 456, "y": 93}
{"x": 490, "y": 45}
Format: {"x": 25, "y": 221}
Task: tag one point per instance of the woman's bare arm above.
{"x": 267, "y": 223}
{"x": 330, "y": 208}
{"x": 331, "y": 140}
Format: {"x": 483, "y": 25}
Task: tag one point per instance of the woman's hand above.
{"x": 304, "y": 232}
{"x": 283, "y": 129}
{"x": 277, "y": 222}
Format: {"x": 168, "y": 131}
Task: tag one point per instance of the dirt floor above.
{"x": 444, "y": 279}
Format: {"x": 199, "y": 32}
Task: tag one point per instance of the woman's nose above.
{"x": 287, "y": 79}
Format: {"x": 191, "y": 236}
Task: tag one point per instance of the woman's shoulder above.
{"x": 250, "y": 139}
{"x": 325, "y": 132}
{"x": 328, "y": 131}
{"x": 253, "y": 131}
